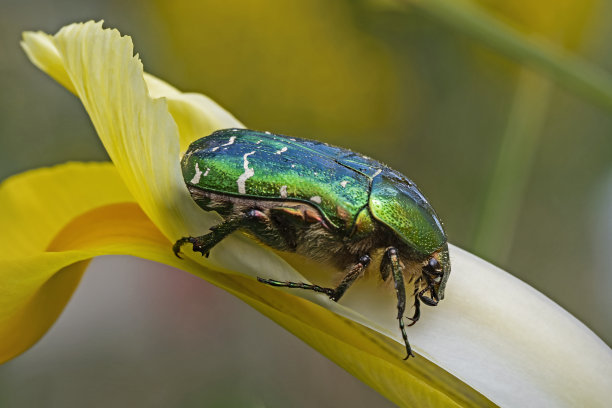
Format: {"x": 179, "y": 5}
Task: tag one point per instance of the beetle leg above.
{"x": 400, "y": 291}
{"x": 334, "y": 294}
{"x": 429, "y": 301}
{"x": 433, "y": 301}
{"x": 417, "y": 303}
{"x": 297, "y": 285}
{"x": 385, "y": 268}
{"x": 417, "y": 312}
{"x": 350, "y": 277}
{"x": 205, "y": 243}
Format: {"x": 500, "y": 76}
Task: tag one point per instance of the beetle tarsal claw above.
{"x": 176, "y": 248}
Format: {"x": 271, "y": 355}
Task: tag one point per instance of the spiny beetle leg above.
{"x": 205, "y": 243}
{"x": 400, "y": 291}
{"x": 350, "y": 277}
{"x": 429, "y": 301}
{"x": 385, "y": 268}
{"x": 334, "y": 294}
{"x": 433, "y": 278}
{"x": 417, "y": 312}
{"x": 297, "y": 285}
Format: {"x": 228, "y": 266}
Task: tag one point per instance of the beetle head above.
{"x": 438, "y": 267}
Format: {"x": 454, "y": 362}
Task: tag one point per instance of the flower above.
{"x": 493, "y": 340}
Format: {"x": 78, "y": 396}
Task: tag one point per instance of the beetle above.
{"x": 324, "y": 202}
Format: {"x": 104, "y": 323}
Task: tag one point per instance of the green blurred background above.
{"x": 518, "y": 167}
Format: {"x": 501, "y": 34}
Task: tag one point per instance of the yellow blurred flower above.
{"x": 560, "y": 21}
{"x": 357, "y": 90}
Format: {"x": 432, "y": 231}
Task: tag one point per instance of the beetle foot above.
{"x": 196, "y": 243}
{"x": 413, "y": 320}
{"x": 176, "y": 248}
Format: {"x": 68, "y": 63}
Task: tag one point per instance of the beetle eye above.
{"x": 434, "y": 264}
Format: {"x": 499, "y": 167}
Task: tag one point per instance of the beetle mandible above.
{"x": 324, "y": 202}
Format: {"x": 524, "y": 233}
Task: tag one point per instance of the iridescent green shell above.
{"x": 396, "y": 202}
{"x": 337, "y": 181}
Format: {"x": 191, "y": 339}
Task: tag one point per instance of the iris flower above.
{"x": 492, "y": 341}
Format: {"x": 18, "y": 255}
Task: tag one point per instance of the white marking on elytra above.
{"x": 292, "y": 139}
{"x": 316, "y": 199}
{"x": 267, "y": 133}
{"x": 206, "y": 172}
{"x": 283, "y": 191}
{"x": 231, "y": 141}
{"x": 293, "y": 165}
{"x": 258, "y": 142}
{"x": 248, "y": 173}
{"x": 377, "y": 173}
{"x": 316, "y": 174}
{"x": 283, "y": 150}
{"x": 198, "y": 174}
{"x": 344, "y": 183}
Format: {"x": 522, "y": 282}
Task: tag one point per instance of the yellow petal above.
{"x": 34, "y": 207}
{"x": 42, "y": 52}
{"x": 196, "y": 115}
{"x": 29, "y": 223}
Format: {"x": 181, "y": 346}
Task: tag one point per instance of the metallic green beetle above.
{"x": 324, "y": 202}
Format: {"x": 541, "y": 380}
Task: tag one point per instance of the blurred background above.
{"x": 518, "y": 167}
